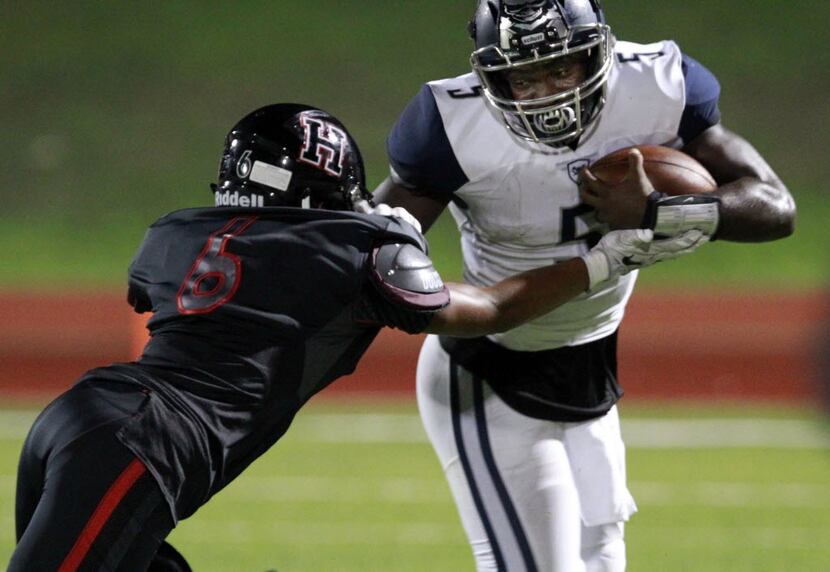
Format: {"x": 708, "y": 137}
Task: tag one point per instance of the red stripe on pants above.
{"x": 103, "y": 511}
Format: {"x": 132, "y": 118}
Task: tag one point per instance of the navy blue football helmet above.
{"x": 290, "y": 155}
{"x": 512, "y": 34}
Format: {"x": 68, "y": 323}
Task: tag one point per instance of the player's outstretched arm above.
{"x": 476, "y": 311}
{"x": 755, "y": 206}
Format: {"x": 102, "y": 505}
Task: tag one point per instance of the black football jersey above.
{"x": 254, "y": 311}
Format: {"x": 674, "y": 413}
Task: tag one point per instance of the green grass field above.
{"x": 116, "y": 114}
{"x": 355, "y": 487}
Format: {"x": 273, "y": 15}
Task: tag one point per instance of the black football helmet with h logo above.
{"x": 510, "y": 35}
{"x": 290, "y": 155}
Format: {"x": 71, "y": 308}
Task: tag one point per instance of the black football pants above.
{"x": 84, "y": 501}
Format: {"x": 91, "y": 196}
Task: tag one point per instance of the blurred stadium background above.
{"x": 114, "y": 113}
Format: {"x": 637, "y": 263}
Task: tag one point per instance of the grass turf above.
{"x": 322, "y": 501}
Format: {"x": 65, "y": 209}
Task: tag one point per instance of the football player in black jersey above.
{"x": 257, "y": 305}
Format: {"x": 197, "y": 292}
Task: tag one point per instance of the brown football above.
{"x": 670, "y": 171}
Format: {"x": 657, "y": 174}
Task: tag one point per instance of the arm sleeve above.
{"x": 420, "y": 154}
{"x": 702, "y": 94}
{"x": 405, "y": 290}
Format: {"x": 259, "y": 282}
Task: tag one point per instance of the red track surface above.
{"x": 692, "y": 347}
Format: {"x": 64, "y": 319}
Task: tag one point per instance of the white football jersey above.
{"x": 519, "y": 207}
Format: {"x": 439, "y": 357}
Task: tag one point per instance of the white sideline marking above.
{"x": 638, "y": 433}
{"x": 732, "y": 494}
{"x": 361, "y": 490}
{"x": 725, "y": 433}
{"x": 236, "y": 532}
{"x": 220, "y": 531}
{"x": 15, "y": 424}
{"x": 261, "y": 490}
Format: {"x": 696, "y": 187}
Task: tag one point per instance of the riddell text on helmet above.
{"x": 234, "y": 199}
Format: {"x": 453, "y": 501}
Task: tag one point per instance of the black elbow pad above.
{"x": 406, "y": 292}
{"x": 404, "y": 274}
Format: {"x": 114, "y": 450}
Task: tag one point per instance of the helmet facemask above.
{"x": 542, "y": 38}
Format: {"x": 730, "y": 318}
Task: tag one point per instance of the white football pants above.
{"x": 533, "y": 495}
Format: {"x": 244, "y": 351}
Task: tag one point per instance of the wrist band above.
{"x": 671, "y": 215}
{"x": 598, "y": 267}
{"x": 702, "y": 216}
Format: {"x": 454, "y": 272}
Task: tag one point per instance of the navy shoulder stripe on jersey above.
{"x": 419, "y": 150}
{"x": 702, "y": 94}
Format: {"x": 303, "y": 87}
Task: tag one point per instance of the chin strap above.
{"x": 669, "y": 216}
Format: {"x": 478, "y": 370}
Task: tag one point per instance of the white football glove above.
{"x": 621, "y": 251}
{"x": 382, "y": 209}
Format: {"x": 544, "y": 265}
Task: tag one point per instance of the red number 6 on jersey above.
{"x": 215, "y": 276}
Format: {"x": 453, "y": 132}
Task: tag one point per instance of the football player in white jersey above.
{"x": 524, "y": 422}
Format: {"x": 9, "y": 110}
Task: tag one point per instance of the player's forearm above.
{"x": 755, "y": 204}
{"x": 752, "y": 210}
{"x": 479, "y": 311}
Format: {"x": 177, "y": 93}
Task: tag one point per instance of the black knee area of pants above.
{"x": 71, "y": 464}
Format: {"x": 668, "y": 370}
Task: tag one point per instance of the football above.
{"x": 671, "y": 171}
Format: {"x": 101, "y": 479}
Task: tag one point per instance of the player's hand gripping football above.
{"x": 383, "y": 209}
{"x": 621, "y": 205}
{"x": 621, "y": 251}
